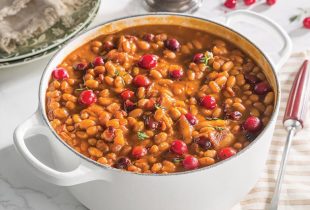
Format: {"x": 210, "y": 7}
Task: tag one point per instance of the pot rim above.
{"x": 106, "y": 167}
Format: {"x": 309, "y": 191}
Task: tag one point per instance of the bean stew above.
{"x": 158, "y": 99}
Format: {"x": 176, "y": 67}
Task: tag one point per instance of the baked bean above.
{"x": 161, "y": 137}
{"x": 156, "y": 167}
{"x": 240, "y": 79}
{"x": 206, "y": 161}
{"x": 214, "y": 87}
{"x": 227, "y": 66}
{"x": 269, "y": 98}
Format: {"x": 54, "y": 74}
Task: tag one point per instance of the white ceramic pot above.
{"x": 98, "y": 187}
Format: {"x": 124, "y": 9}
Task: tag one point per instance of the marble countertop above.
{"x": 19, "y": 188}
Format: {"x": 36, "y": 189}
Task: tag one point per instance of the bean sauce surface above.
{"x": 158, "y": 99}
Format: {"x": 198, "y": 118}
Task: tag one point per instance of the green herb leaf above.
{"x": 81, "y": 89}
{"x": 177, "y": 160}
{"x": 212, "y": 118}
{"x": 116, "y": 72}
{"x": 293, "y": 18}
{"x": 158, "y": 106}
{"x": 142, "y": 135}
{"x": 218, "y": 128}
{"x": 207, "y": 57}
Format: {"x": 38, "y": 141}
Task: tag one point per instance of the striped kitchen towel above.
{"x": 295, "y": 194}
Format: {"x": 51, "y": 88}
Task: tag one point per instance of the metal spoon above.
{"x": 293, "y": 121}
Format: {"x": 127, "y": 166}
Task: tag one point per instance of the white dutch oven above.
{"x": 98, "y": 187}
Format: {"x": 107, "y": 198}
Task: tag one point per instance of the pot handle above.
{"x": 34, "y": 126}
{"x": 273, "y": 27}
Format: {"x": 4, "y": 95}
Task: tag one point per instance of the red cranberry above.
{"x": 122, "y": 163}
{"x": 235, "y": 115}
{"x": 129, "y": 105}
{"x": 177, "y": 74}
{"x": 107, "y": 46}
{"x": 148, "y": 61}
{"x": 148, "y": 37}
{"x": 60, "y": 74}
{"x": 98, "y": 61}
{"x": 80, "y": 67}
{"x": 87, "y": 97}
{"x": 270, "y": 2}
{"x": 252, "y": 124}
{"x": 141, "y": 81}
{"x": 231, "y": 4}
{"x": 249, "y": 2}
{"x": 190, "y": 162}
{"x": 179, "y": 147}
{"x": 139, "y": 151}
{"x": 226, "y": 152}
{"x": 151, "y": 123}
{"x": 204, "y": 142}
{"x": 251, "y": 79}
{"x": 198, "y": 58}
{"x": 262, "y": 88}
{"x": 306, "y": 22}
{"x": 127, "y": 94}
{"x": 208, "y": 102}
{"x": 191, "y": 119}
{"x": 172, "y": 44}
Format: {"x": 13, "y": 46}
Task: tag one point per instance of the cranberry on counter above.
{"x": 270, "y": 2}
{"x": 226, "y": 152}
{"x": 179, "y": 147}
{"x": 306, "y": 22}
{"x": 139, "y": 151}
{"x": 141, "y": 81}
{"x": 87, "y": 97}
{"x": 172, "y": 44}
{"x": 252, "y": 124}
{"x": 60, "y": 74}
{"x": 208, "y": 102}
{"x": 148, "y": 61}
{"x": 231, "y": 4}
{"x": 249, "y": 2}
{"x": 190, "y": 162}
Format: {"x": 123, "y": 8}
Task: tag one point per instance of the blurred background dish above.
{"x": 50, "y": 40}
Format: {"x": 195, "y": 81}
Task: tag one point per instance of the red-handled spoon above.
{"x": 294, "y": 118}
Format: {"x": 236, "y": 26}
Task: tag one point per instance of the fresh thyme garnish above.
{"x": 116, "y": 72}
{"x": 177, "y": 160}
{"x": 217, "y": 128}
{"x": 303, "y": 12}
{"x": 205, "y": 59}
{"x": 142, "y": 135}
{"x": 158, "y": 106}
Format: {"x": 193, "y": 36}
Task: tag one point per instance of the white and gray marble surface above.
{"x": 19, "y": 188}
